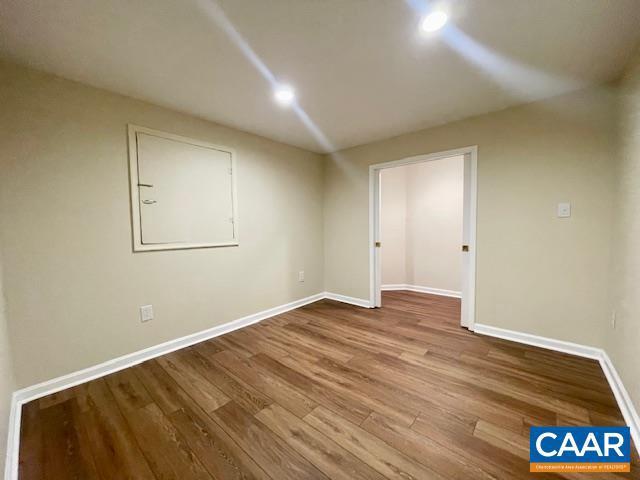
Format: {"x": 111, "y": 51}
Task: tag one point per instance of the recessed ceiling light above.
{"x": 434, "y": 21}
{"x": 284, "y": 95}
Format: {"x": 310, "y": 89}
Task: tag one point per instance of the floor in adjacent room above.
{"x": 325, "y": 391}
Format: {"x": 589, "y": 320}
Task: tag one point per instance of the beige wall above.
{"x": 434, "y": 223}
{"x": 393, "y": 225}
{"x": 421, "y": 224}
{"x": 623, "y": 341}
{"x": 73, "y": 285}
{"x": 535, "y": 273}
{"x": 7, "y": 382}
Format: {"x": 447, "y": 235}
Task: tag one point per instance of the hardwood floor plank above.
{"x": 318, "y": 392}
{"x": 324, "y": 346}
{"x": 227, "y": 343}
{"x": 198, "y": 387}
{"x": 362, "y": 390}
{"x": 474, "y": 390}
{"x": 115, "y": 449}
{"x": 318, "y": 335}
{"x": 243, "y": 394}
{"x": 260, "y": 343}
{"x": 449, "y": 418}
{"x": 69, "y": 456}
{"x": 56, "y": 398}
{"x": 31, "y": 465}
{"x": 128, "y": 390}
{"x": 220, "y": 455}
{"x": 365, "y": 340}
{"x": 168, "y": 454}
{"x": 164, "y": 448}
{"x": 503, "y": 464}
{"x": 499, "y": 356}
{"x": 269, "y": 384}
{"x": 510, "y": 386}
{"x": 540, "y": 382}
{"x": 369, "y": 448}
{"x": 284, "y": 343}
{"x": 279, "y": 460}
{"x": 326, "y": 455}
{"x": 439, "y": 392}
{"x": 423, "y": 450}
{"x": 383, "y": 333}
{"x": 503, "y": 438}
{"x": 166, "y": 393}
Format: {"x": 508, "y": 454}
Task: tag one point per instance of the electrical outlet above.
{"x": 613, "y": 319}
{"x": 146, "y": 313}
{"x": 564, "y": 210}
{"x": 301, "y": 276}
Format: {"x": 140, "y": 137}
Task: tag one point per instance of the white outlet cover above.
{"x": 301, "y": 276}
{"x": 564, "y": 210}
{"x": 146, "y": 313}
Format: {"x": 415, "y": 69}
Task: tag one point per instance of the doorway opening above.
{"x": 427, "y": 223}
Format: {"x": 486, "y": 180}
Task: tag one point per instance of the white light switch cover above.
{"x": 564, "y": 210}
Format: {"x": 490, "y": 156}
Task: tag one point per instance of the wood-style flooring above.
{"x": 325, "y": 391}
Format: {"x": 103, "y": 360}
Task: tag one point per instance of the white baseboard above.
{"x": 13, "y": 440}
{"x": 625, "y": 404}
{"x": 623, "y": 399}
{"x": 394, "y": 286}
{"x": 420, "y": 289}
{"x": 360, "y": 302}
{"x": 537, "y": 341}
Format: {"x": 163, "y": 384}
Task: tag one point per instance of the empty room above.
{"x": 328, "y": 239}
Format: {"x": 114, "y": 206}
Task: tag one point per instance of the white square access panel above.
{"x": 183, "y": 192}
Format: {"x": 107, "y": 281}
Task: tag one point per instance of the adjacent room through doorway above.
{"x": 421, "y": 227}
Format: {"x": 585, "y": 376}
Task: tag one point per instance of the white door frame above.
{"x": 469, "y": 227}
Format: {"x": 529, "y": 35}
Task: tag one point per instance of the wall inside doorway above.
{"x": 421, "y": 224}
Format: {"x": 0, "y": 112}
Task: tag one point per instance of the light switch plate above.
{"x": 301, "y": 276}
{"x": 146, "y": 313}
{"x": 564, "y": 210}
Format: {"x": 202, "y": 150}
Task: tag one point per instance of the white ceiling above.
{"x": 361, "y": 69}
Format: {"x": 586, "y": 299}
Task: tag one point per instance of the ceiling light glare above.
{"x": 434, "y": 21}
{"x": 284, "y": 95}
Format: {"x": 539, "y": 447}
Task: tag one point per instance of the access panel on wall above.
{"x": 182, "y": 192}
